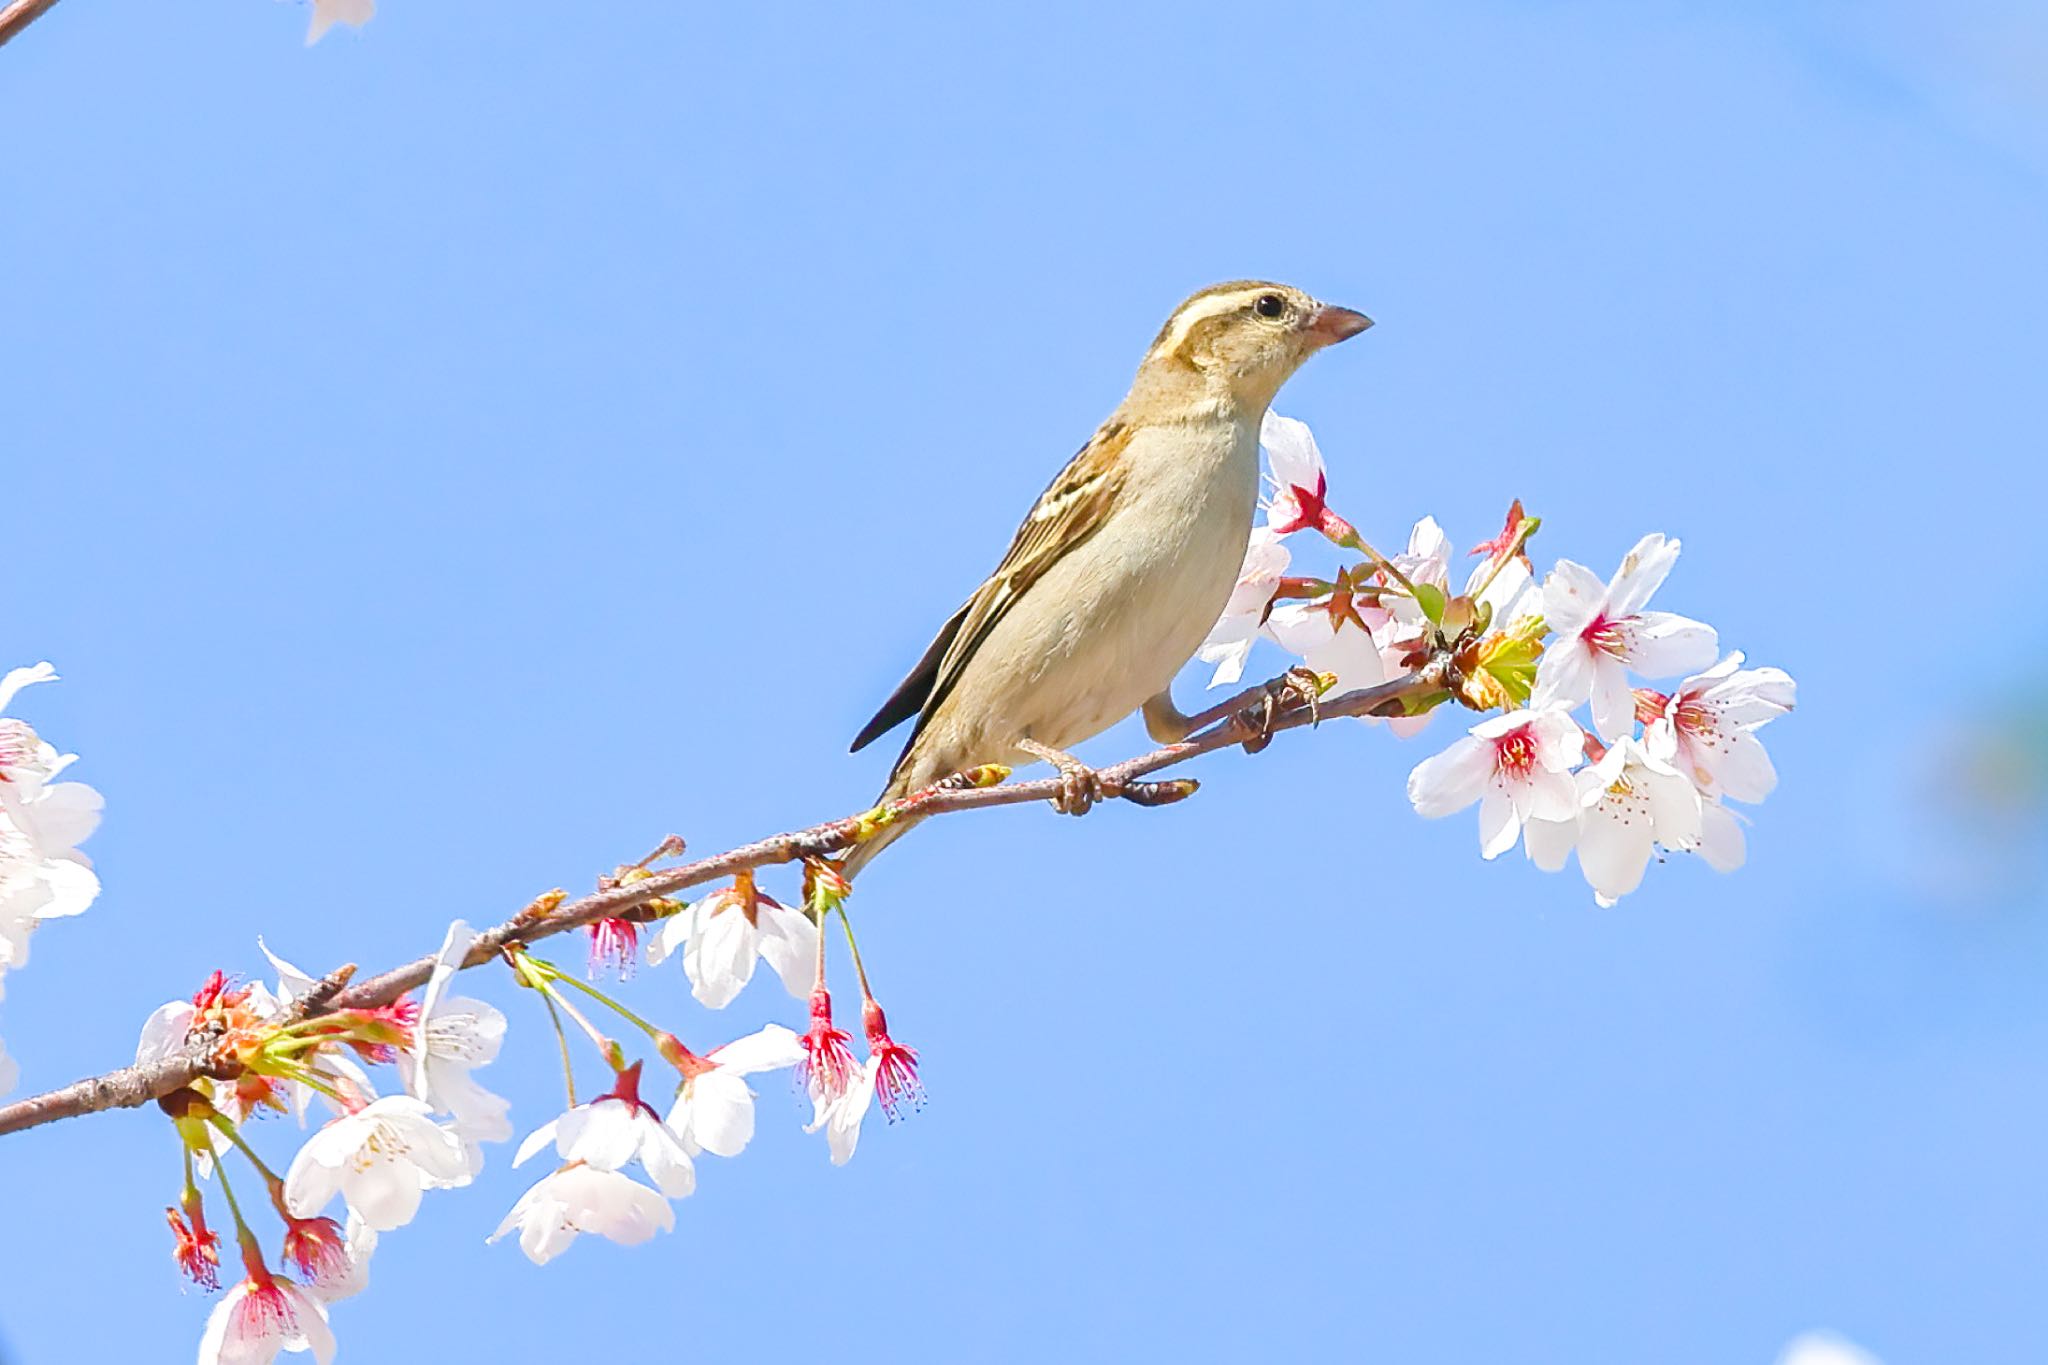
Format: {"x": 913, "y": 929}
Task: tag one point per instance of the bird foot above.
{"x": 1298, "y": 686}
{"x": 1080, "y": 786}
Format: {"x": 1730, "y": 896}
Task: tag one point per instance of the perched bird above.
{"x": 1125, "y": 563}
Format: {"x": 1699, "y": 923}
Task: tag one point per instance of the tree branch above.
{"x": 19, "y": 14}
{"x": 1226, "y": 725}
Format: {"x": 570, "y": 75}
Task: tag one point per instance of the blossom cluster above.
{"x": 43, "y": 876}
{"x": 1653, "y": 770}
{"x": 290, "y": 1051}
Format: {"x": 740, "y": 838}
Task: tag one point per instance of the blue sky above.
{"x": 446, "y": 460}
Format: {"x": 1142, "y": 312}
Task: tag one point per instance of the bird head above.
{"x": 1245, "y": 338}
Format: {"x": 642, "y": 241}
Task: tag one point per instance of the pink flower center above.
{"x": 1295, "y": 507}
{"x": 1609, "y": 635}
{"x": 316, "y": 1247}
{"x": 1514, "y": 753}
{"x": 1695, "y": 718}
{"x": 17, "y": 746}
{"x": 264, "y": 1314}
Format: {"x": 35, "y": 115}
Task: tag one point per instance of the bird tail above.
{"x": 863, "y": 853}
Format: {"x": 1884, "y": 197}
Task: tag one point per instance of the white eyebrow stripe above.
{"x": 1201, "y": 310}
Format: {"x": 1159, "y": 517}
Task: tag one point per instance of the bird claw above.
{"x": 1080, "y": 789}
{"x": 1080, "y": 786}
{"x": 1298, "y": 686}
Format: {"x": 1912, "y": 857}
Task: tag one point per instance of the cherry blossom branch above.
{"x": 1221, "y": 727}
{"x": 19, "y": 15}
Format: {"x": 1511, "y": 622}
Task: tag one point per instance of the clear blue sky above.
{"x": 444, "y": 461}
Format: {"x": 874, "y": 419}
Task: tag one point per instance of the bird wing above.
{"x": 1072, "y": 508}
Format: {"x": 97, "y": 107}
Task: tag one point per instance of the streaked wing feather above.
{"x": 1072, "y": 508}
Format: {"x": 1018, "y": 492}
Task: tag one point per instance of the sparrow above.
{"x": 1129, "y": 557}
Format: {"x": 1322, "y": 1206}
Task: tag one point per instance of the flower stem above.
{"x": 1380, "y": 562}
{"x": 234, "y": 1135}
{"x": 562, "y": 1037}
{"x": 624, "y": 1013}
{"x": 819, "y": 983}
{"x": 542, "y": 976}
{"x": 242, "y": 1232}
{"x": 859, "y": 968}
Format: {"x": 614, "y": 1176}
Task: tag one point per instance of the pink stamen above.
{"x": 264, "y": 1314}
{"x": 896, "y": 1079}
{"x": 317, "y": 1248}
{"x": 614, "y": 945}
{"x": 1514, "y": 753}
{"x": 198, "y": 1250}
{"x": 1608, "y": 635}
{"x": 828, "y": 1065}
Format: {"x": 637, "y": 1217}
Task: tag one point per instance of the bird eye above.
{"x": 1270, "y": 306}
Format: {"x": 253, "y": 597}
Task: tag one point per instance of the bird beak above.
{"x": 1330, "y": 324}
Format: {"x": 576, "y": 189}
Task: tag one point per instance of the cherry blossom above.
{"x": 714, "y": 1108}
{"x": 379, "y": 1159}
{"x": 1629, "y": 802}
{"x": 42, "y": 873}
{"x": 261, "y": 1316}
{"x": 840, "y": 1115}
{"x": 336, "y": 1272}
{"x": 1707, "y": 727}
{"x": 197, "y": 1251}
{"x": 828, "y": 1065}
{"x": 10, "y": 1070}
{"x": 580, "y": 1198}
{"x": 328, "y": 13}
{"x": 315, "y": 1246}
{"x": 1518, "y": 766}
{"x": 1426, "y": 562}
{"x": 1230, "y": 640}
{"x": 896, "y": 1080}
{"x": 451, "y": 1038}
{"x": 1299, "y": 478}
{"x": 1603, "y": 631}
{"x": 613, "y": 1130}
{"x": 725, "y": 934}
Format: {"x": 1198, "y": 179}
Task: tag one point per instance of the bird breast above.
{"x": 1123, "y": 612}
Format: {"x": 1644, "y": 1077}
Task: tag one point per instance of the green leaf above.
{"x": 1431, "y": 599}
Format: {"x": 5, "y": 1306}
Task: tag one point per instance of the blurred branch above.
{"x": 1218, "y": 728}
{"x": 19, "y": 14}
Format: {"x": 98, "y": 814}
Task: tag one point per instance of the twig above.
{"x": 19, "y": 15}
{"x": 135, "y": 1085}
